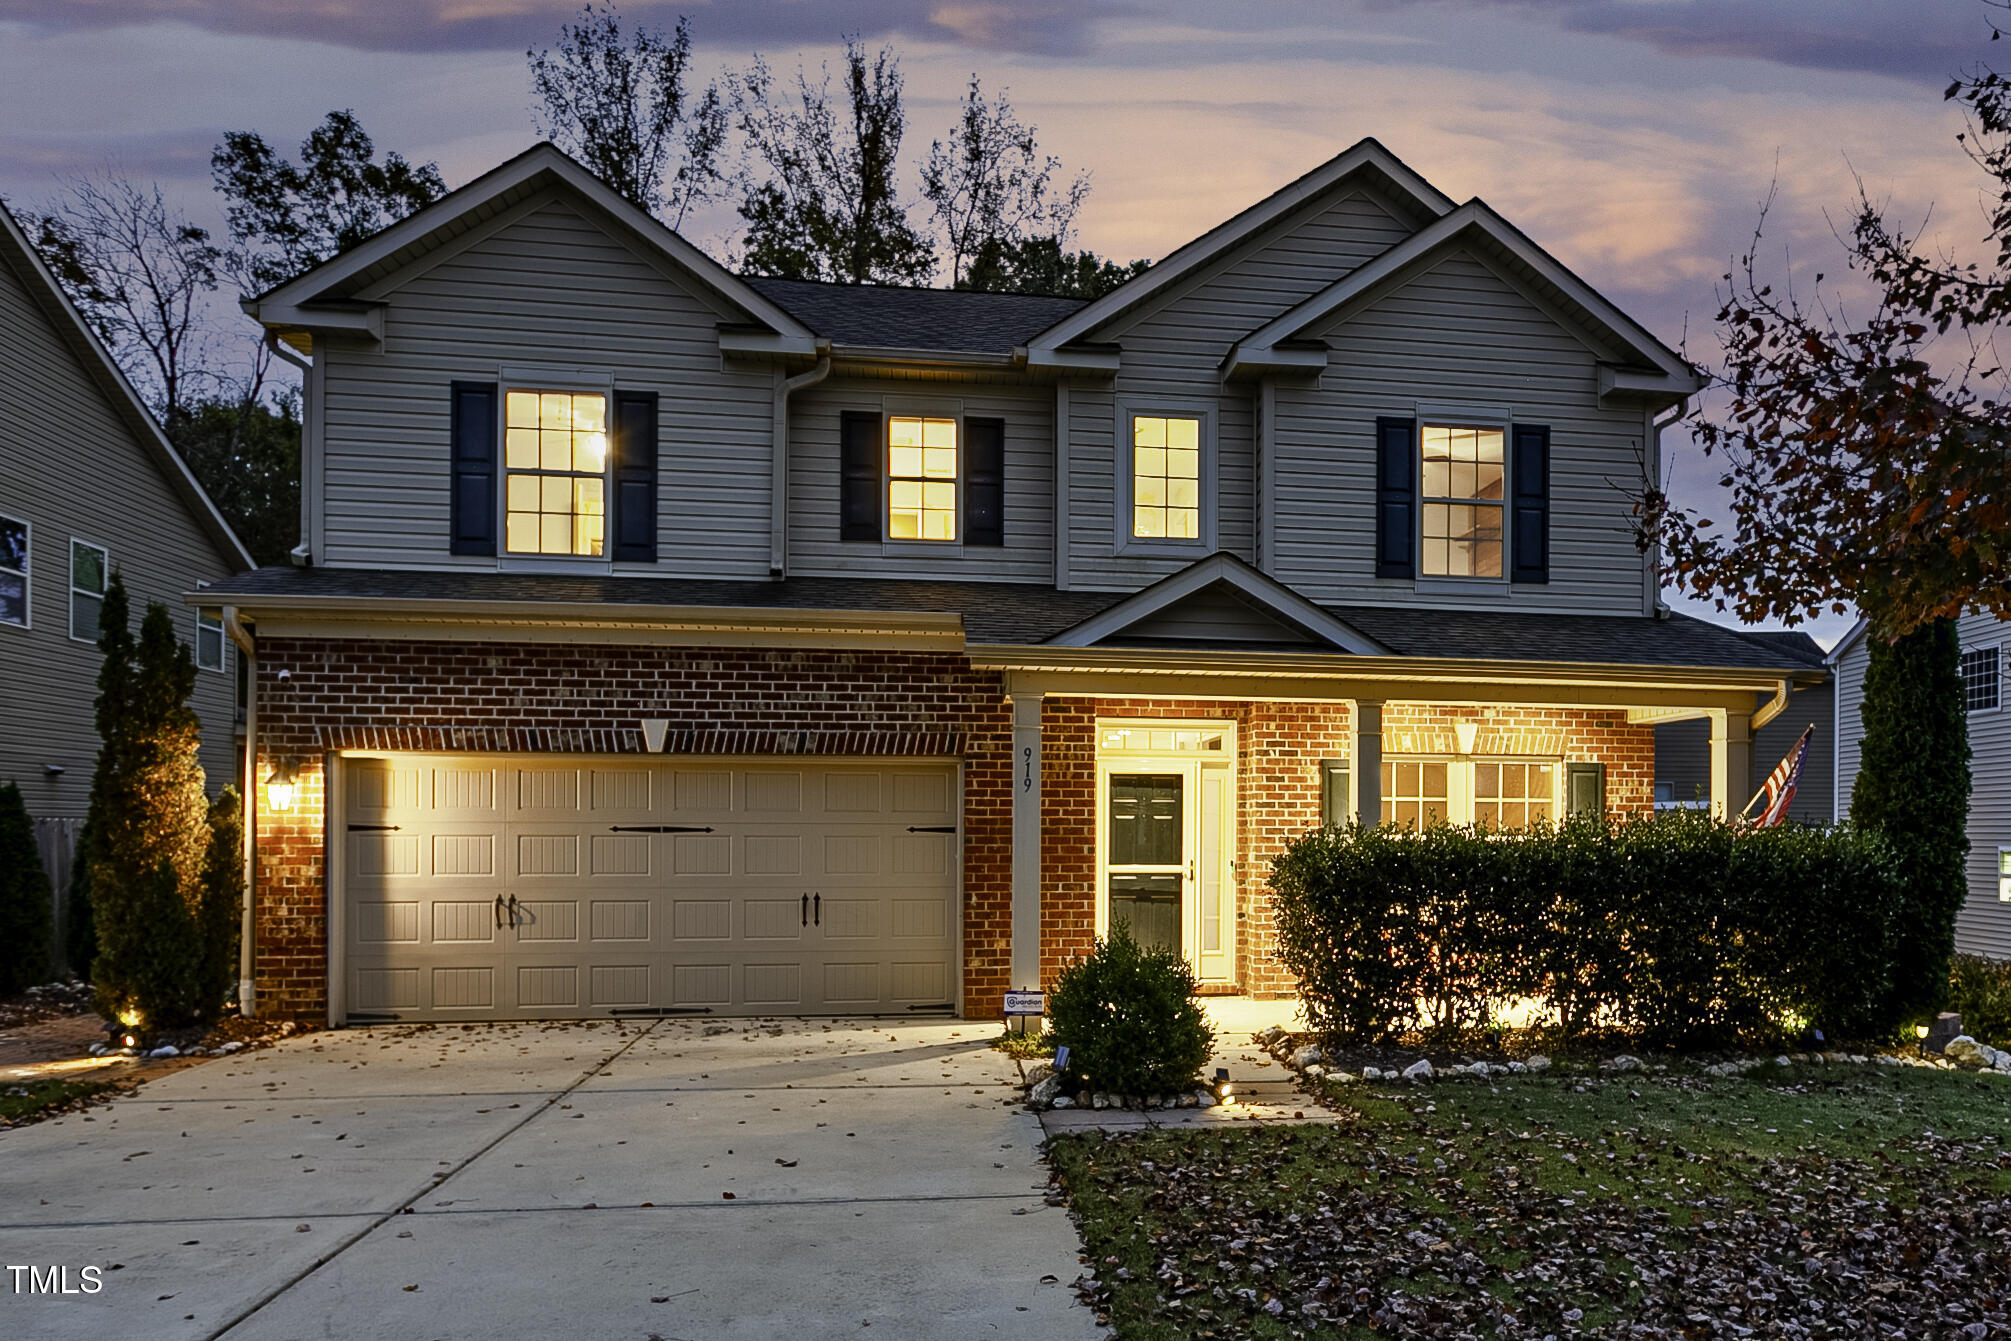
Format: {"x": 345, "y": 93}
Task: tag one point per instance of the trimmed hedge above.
{"x": 1979, "y": 989}
{"x": 1680, "y": 929}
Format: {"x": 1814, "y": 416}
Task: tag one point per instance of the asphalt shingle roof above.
{"x": 948, "y": 320}
{"x": 1014, "y": 613}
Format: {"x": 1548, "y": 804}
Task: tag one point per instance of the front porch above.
{"x": 1153, "y": 789}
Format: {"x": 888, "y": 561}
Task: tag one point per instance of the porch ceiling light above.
{"x": 1466, "y": 733}
{"x": 280, "y": 785}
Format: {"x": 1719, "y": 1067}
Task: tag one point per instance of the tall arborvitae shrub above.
{"x": 218, "y": 921}
{"x": 115, "y": 693}
{"x": 1913, "y": 787}
{"x": 150, "y": 837}
{"x": 24, "y": 897}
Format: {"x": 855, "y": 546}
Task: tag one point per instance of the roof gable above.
{"x": 1366, "y": 160}
{"x": 1219, "y": 599}
{"x": 1475, "y": 228}
{"x": 20, "y": 256}
{"x": 477, "y": 210}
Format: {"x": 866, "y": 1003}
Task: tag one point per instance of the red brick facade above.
{"x": 547, "y": 697}
{"x": 471, "y": 697}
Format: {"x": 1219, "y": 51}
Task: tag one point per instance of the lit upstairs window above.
{"x": 555, "y": 456}
{"x": 921, "y": 478}
{"x": 1462, "y": 499}
{"x": 1165, "y": 478}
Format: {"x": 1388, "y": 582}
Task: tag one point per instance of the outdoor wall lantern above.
{"x": 1466, "y": 733}
{"x": 279, "y": 785}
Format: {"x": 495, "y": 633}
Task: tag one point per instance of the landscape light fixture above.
{"x": 280, "y": 785}
{"x": 1223, "y": 1089}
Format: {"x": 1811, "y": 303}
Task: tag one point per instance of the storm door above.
{"x": 1165, "y": 859}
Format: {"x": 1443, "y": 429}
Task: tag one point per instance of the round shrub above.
{"x": 1129, "y": 1018}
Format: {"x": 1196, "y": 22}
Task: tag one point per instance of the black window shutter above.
{"x": 1529, "y": 522}
{"x": 859, "y": 478}
{"x": 1584, "y": 789}
{"x": 984, "y": 481}
{"x": 472, "y": 500}
{"x": 1396, "y": 497}
{"x": 633, "y": 513}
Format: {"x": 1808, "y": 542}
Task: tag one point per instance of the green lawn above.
{"x": 19, "y": 1102}
{"x": 1808, "y": 1201}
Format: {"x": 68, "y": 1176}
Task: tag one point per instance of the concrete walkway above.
{"x": 786, "y": 1178}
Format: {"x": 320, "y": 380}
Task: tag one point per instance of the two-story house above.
{"x": 669, "y": 641}
{"x": 89, "y": 486}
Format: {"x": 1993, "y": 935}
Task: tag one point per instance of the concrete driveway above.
{"x": 791, "y": 1178}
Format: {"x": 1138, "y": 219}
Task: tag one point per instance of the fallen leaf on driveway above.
{"x": 786, "y": 1163}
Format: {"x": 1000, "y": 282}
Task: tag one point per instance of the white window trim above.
{"x": 1125, "y": 477}
{"x": 1996, "y": 650}
{"x": 892, "y": 408}
{"x": 1459, "y": 779}
{"x": 75, "y": 591}
{"x": 223, "y": 640}
{"x": 527, "y": 377}
{"x": 27, "y": 573}
{"x": 1447, "y": 414}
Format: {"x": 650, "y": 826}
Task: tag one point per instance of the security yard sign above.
{"x": 1025, "y": 1003}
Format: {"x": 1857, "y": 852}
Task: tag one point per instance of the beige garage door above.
{"x": 476, "y": 889}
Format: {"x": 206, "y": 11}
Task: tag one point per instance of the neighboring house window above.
{"x": 1498, "y": 793}
{"x": 2004, "y": 875}
{"x": 13, "y": 572}
{"x": 1980, "y": 674}
{"x": 209, "y": 638}
{"x": 1165, "y": 478}
{"x": 921, "y": 478}
{"x": 1462, "y": 499}
{"x": 90, "y": 569}
{"x": 555, "y": 453}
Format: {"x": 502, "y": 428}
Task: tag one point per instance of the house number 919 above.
{"x": 1026, "y": 774}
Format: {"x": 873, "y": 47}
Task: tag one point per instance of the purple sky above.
{"x": 1632, "y": 138}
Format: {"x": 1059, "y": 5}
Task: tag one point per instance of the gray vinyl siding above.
{"x": 1983, "y": 926}
{"x": 553, "y": 289}
{"x": 1457, "y": 333}
{"x": 1683, "y": 755}
{"x": 814, "y": 417}
{"x": 1213, "y": 616}
{"x": 70, "y": 466}
{"x": 1172, "y": 354}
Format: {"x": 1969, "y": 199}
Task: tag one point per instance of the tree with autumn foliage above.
{"x": 1866, "y": 446}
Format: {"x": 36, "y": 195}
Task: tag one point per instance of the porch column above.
{"x": 1731, "y": 761}
{"x": 1367, "y": 765}
{"x": 1026, "y": 840}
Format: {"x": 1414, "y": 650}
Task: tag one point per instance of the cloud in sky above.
{"x": 1050, "y": 26}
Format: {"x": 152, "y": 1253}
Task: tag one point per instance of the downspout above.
{"x": 301, "y": 554}
{"x": 247, "y": 992}
{"x": 778, "y": 505}
{"x": 1774, "y": 706}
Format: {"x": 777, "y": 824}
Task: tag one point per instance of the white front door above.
{"x": 1164, "y": 858}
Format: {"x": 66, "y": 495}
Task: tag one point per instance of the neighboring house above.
{"x": 89, "y": 486}
{"x": 1983, "y": 927}
{"x": 668, "y": 641}
{"x": 1683, "y": 749}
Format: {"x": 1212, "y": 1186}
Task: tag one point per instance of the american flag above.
{"x": 1779, "y": 791}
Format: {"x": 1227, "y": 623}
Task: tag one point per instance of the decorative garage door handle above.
{"x": 932, "y": 828}
{"x": 373, "y": 828}
{"x": 659, "y": 828}
{"x": 499, "y": 910}
{"x": 806, "y": 910}
{"x": 817, "y": 910}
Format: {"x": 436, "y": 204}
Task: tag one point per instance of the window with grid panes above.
{"x": 1415, "y": 794}
{"x": 1514, "y": 795}
{"x": 1462, "y": 490}
{"x": 1165, "y": 477}
{"x": 921, "y": 478}
{"x": 555, "y": 453}
{"x": 1981, "y": 671}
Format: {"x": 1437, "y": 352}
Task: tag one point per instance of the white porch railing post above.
{"x": 1026, "y": 840}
